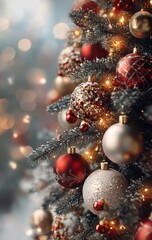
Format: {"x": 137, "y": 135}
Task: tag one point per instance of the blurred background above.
{"x": 32, "y": 34}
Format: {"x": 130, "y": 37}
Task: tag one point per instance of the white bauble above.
{"x": 122, "y": 143}
{"x": 109, "y": 185}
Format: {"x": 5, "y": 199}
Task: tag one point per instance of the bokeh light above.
{"x": 60, "y": 30}
{"x": 24, "y": 45}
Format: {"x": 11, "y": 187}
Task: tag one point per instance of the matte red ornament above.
{"x": 99, "y": 205}
{"x": 92, "y": 51}
{"x": 134, "y": 70}
{"x": 70, "y": 117}
{"x": 71, "y": 169}
{"x": 144, "y": 230}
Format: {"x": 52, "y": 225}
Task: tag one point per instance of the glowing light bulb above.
{"x": 122, "y": 20}
{"x": 12, "y": 165}
{"x": 15, "y": 135}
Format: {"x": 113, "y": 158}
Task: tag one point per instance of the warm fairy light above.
{"x": 39, "y": 230}
{"x": 43, "y": 81}
{"x": 24, "y": 45}
{"x": 101, "y": 121}
{"x": 122, "y": 20}
{"x": 107, "y": 82}
{"x": 4, "y": 24}
{"x": 26, "y": 119}
{"x": 15, "y": 135}
{"x": 77, "y": 32}
{"x": 122, "y": 227}
{"x": 29, "y": 232}
{"x": 150, "y": 2}
{"x": 91, "y": 157}
{"x": 12, "y": 165}
{"x": 87, "y": 153}
{"x": 146, "y": 190}
{"x": 26, "y": 150}
{"x": 96, "y": 149}
{"x": 111, "y": 14}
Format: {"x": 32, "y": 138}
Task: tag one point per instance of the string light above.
{"x": 122, "y": 20}
{"x": 29, "y": 232}
{"x": 13, "y": 165}
{"x": 15, "y": 135}
{"x": 26, "y": 119}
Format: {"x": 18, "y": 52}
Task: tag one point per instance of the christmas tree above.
{"x": 98, "y": 170}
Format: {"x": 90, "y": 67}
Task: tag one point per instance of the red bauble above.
{"x": 84, "y": 126}
{"x": 99, "y": 205}
{"x": 125, "y": 5}
{"x": 91, "y": 6}
{"x": 86, "y": 6}
{"x": 92, "y": 51}
{"x": 71, "y": 169}
{"x": 134, "y": 70}
{"x": 144, "y": 230}
{"x": 70, "y": 117}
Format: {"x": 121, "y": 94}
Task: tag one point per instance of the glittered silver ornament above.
{"x": 140, "y": 24}
{"x": 106, "y": 184}
{"x": 69, "y": 59}
{"x": 89, "y": 100}
{"x": 42, "y": 221}
{"x": 122, "y": 143}
{"x": 63, "y": 122}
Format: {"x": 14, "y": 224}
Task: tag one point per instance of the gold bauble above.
{"x": 140, "y": 24}
{"x": 64, "y": 85}
{"x": 42, "y": 221}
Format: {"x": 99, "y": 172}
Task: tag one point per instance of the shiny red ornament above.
{"x": 134, "y": 70}
{"x": 91, "y": 6}
{"x": 70, "y": 117}
{"x": 99, "y": 205}
{"x": 144, "y": 230}
{"x": 92, "y": 51}
{"x": 71, "y": 169}
{"x": 84, "y": 126}
{"x": 86, "y": 6}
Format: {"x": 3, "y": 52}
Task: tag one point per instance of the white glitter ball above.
{"x": 109, "y": 185}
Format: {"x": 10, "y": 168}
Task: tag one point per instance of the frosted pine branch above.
{"x": 72, "y": 200}
{"x": 61, "y": 104}
{"x": 98, "y": 67}
{"x": 55, "y": 147}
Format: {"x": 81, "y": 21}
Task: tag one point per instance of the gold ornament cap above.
{"x": 104, "y": 166}
{"x": 71, "y": 150}
{"x": 136, "y": 50}
{"x": 92, "y": 78}
{"x": 123, "y": 119}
